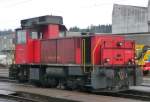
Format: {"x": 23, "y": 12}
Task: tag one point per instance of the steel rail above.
{"x": 17, "y": 98}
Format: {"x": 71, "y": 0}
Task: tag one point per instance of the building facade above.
{"x": 7, "y": 48}
{"x": 130, "y": 19}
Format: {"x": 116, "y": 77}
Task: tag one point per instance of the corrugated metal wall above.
{"x": 129, "y": 19}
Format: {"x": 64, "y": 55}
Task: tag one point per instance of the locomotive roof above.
{"x": 84, "y": 36}
{"x": 42, "y": 20}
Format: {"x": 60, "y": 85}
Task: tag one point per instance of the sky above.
{"x": 81, "y": 13}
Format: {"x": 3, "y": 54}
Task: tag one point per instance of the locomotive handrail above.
{"x": 83, "y": 55}
{"x": 93, "y": 54}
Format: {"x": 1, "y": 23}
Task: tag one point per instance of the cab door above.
{"x": 26, "y": 41}
{"x": 35, "y": 46}
{"x": 21, "y": 47}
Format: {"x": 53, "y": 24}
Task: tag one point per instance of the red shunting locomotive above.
{"x": 46, "y": 57}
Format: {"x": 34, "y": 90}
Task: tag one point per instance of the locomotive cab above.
{"x": 33, "y": 30}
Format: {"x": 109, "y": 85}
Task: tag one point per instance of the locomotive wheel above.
{"x": 53, "y": 82}
{"x": 21, "y": 78}
{"x": 36, "y": 83}
{"x": 49, "y": 82}
{"x": 71, "y": 85}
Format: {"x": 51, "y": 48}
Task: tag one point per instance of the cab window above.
{"x": 34, "y": 35}
{"x": 21, "y": 37}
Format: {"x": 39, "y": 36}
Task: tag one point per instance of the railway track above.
{"x": 130, "y": 94}
{"x": 145, "y": 85}
{"x": 29, "y": 97}
{"x": 134, "y": 94}
{"x": 16, "y": 98}
{"x": 6, "y": 79}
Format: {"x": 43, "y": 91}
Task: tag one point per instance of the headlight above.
{"x": 107, "y": 60}
{"x": 119, "y": 44}
{"x": 132, "y": 60}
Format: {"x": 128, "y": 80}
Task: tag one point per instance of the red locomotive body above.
{"x": 97, "y": 62}
{"x": 61, "y": 51}
{"x": 24, "y": 48}
{"x": 67, "y": 51}
{"x": 112, "y": 50}
{"x": 36, "y": 51}
{"x": 48, "y": 51}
